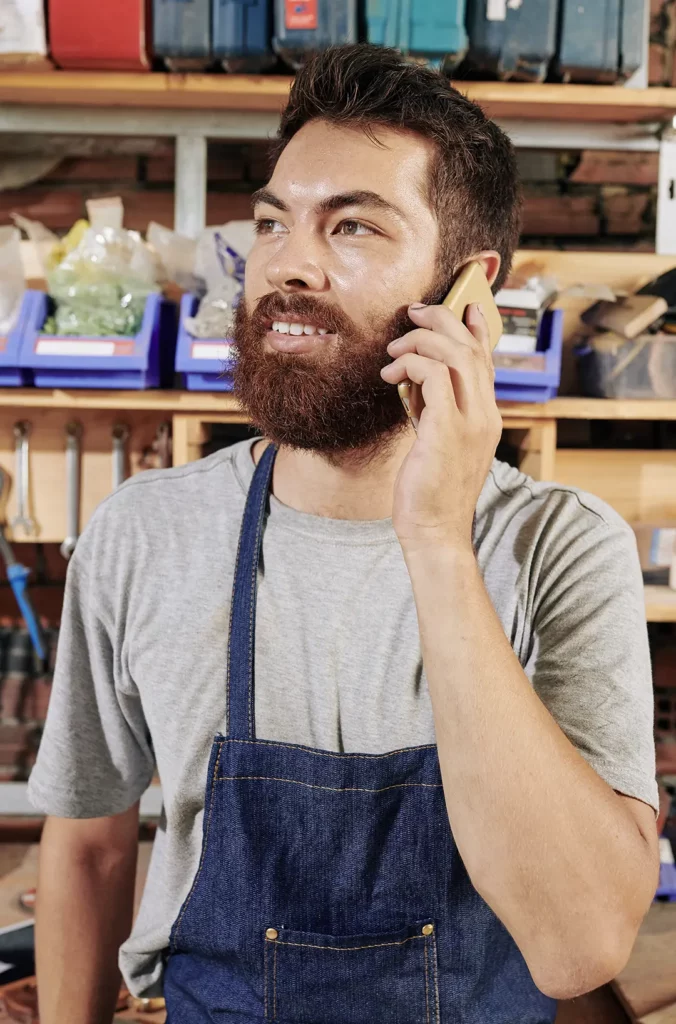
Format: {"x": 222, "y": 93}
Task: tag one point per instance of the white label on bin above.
{"x": 208, "y": 350}
{"x": 666, "y": 852}
{"x": 496, "y": 10}
{"x": 60, "y": 347}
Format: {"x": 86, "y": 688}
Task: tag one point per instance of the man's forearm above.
{"x": 547, "y": 843}
{"x": 83, "y": 915}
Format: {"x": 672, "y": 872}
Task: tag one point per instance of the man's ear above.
{"x": 490, "y": 261}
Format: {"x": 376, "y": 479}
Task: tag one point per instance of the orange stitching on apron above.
{"x": 204, "y": 849}
{"x": 427, "y": 985}
{"x": 331, "y": 789}
{"x": 265, "y": 979}
{"x": 227, "y": 674}
{"x": 254, "y": 576}
{"x": 436, "y": 977}
{"x": 329, "y": 753}
{"x": 274, "y": 983}
{"x": 348, "y": 949}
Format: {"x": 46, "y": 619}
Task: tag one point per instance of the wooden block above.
{"x": 616, "y": 168}
{"x": 101, "y": 168}
{"x": 560, "y": 215}
{"x": 648, "y": 982}
{"x": 667, "y": 1015}
{"x": 640, "y": 485}
{"x": 57, "y": 208}
{"x": 625, "y": 212}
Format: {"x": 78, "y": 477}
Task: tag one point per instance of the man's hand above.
{"x": 440, "y": 480}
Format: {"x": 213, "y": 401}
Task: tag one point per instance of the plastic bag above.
{"x": 12, "y": 282}
{"x": 101, "y": 287}
{"x": 220, "y": 260}
{"x": 176, "y": 255}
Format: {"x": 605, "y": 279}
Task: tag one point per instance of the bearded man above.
{"x": 431, "y": 795}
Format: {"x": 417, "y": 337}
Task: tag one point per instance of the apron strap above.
{"x": 240, "y": 714}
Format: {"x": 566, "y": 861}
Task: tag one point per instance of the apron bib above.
{"x": 330, "y": 889}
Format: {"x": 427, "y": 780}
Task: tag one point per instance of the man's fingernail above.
{"x": 417, "y": 305}
{"x": 481, "y": 309}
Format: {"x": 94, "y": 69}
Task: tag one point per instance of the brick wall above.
{"x": 589, "y": 198}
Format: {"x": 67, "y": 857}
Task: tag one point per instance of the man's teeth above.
{"x": 282, "y": 327}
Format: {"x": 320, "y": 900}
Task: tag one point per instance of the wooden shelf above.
{"x": 660, "y": 604}
{"x": 269, "y": 93}
{"x": 187, "y": 402}
{"x": 146, "y": 401}
{"x": 592, "y": 408}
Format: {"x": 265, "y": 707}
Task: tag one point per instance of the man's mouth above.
{"x": 296, "y": 327}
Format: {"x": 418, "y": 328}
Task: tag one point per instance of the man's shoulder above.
{"x": 168, "y": 501}
{"x": 513, "y": 501}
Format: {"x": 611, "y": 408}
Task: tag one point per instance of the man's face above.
{"x": 346, "y": 241}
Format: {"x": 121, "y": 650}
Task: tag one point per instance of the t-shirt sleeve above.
{"x": 590, "y": 659}
{"x": 95, "y": 757}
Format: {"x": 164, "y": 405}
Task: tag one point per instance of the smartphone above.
{"x": 470, "y": 286}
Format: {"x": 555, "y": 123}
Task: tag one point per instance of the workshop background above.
{"x": 132, "y": 133}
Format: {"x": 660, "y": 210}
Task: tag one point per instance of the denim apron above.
{"x": 329, "y": 889}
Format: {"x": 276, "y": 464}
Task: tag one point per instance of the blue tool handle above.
{"x": 17, "y": 576}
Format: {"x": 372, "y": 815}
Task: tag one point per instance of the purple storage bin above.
{"x": 143, "y": 361}
{"x": 11, "y": 373}
{"x": 666, "y": 889}
{"x": 536, "y": 385}
{"x": 205, "y": 363}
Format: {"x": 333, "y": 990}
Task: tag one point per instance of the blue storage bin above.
{"x": 303, "y": 27}
{"x": 519, "y": 385}
{"x": 182, "y": 33}
{"x": 143, "y": 361}
{"x": 425, "y": 29}
{"x": 12, "y": 374}
{"x": 204, "y": 363}
{"x": 242, "y": 34}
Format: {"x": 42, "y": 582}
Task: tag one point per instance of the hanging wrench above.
{"x": 23, "y": 520}
{"x": 73, "y": 435}
{"x": 120, "y": 436}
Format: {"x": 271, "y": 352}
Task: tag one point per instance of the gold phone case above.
{"x": 471, "y": 286}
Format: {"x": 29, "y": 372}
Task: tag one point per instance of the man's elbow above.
{"x": 567, "y": 974}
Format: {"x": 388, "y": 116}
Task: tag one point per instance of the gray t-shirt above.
{"x": 140, "y": 672}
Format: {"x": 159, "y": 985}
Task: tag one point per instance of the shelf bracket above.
{"x": 190, "y": 196}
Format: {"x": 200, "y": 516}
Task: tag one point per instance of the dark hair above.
{"x": 473, "y": 183}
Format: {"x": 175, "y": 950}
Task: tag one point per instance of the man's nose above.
{"x": 297, "y": 265}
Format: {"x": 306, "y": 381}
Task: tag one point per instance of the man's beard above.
{"x": 331, "y": 403}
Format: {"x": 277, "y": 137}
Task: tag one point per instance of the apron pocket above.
{"x": 354, "y": 979}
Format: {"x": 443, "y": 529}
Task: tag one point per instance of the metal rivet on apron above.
{"x": 271, "y": 933}
{"x": 427, "y": 929}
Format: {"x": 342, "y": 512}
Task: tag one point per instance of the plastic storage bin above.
{"x": 204, "y": 363}
{"x": 610, "y": 366}
{"x": 520, "y": 384}
{"x": 242, "y": 34}
{"x": 144, "y": 361}
{"x": 107, "y": 34}
{"x": 303, "y": 27}
{"x": 518, "y": 44}
{"x": 182, "y": 33}
{"x": 12, "y": 374}
{"x": 426, "y": 29}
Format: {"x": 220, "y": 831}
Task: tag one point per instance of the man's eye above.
{"x": 354, "y": 227}
{"x": 268, "y": 226}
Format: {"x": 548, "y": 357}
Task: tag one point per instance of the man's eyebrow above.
{"x": 266, "y": 195}
{"x": 358, "y": 198}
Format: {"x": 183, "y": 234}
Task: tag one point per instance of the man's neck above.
{"x": 351, "y": 488}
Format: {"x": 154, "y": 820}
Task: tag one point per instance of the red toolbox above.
{"x": 113, "y": 35}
